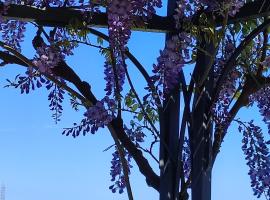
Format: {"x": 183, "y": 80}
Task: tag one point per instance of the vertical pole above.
{"x": 201, "y": 141}
{"x": 169, "y": 132}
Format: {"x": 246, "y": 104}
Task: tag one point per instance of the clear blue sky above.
{"x": 37, "y": 162}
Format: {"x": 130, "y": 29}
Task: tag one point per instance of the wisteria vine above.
{"x": 180, "y": 50}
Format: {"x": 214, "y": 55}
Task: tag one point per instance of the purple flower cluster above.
{"x": 146, "y": 7}
{"x": 64, "y": 41}
{"x": 47, "y": 58}
{"x": 119, "y": 20}
{"x": 117, "y": 173}
{"x": 137, "y": 136}
{"x": 56, "y": 98}
{"x": 30, "y": 81}
{"x": 97, "y": 116}
{"x": 234, "y": 6}
{"x": 33, "y": 80}
{"x": 170, "y": 62}
{"x": 185, "y": 9}
{"x": 110, "y": 76}
{"x": 258, "y": 158}
{"x": 220, "y": 109}
{"x": 101, "y": 114}
{"x": 13, "y": 33}
{"x": 262, "y": 97}
{"x": 120, "y": 14}
{"x": 75, "y": 131}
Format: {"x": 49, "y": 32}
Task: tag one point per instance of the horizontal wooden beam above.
{"x": 61, "y": 17}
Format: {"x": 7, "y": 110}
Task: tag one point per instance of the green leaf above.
{"x": 140, "y": 116}
{"x": 128, "y": 101}
{"x": 134, "y": 107}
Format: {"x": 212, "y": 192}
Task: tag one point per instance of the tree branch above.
{"x": 115, "y": 127}
{"x": 251, "y": 86}
{"x": 230, "y": 63}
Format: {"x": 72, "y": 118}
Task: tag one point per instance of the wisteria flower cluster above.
{"x": 97, "y": 116}
{"x": 47, "y": 58}
{"x": 33, "y": 80}
{"x": 116, "y": 172}
{"x": 84, "y": 127}
{"x": 257, "y": 156}
{"x": 66, "y": 42}
{"x": 171, "y": 62}
{"x": 111, "y": 75}
{"x": 56, "y": 97}
{"x": 221, "y": 107}
{"x": 101, "y": 114}
{"x": 262, "y": 98}
{"x": 13, "y": 33}
{"x": 29, "y": 81}
{"x": 137, "y": 137}
{"x": 120, "y": 14}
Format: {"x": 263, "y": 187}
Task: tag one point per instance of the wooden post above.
{"x": 201, "y": 141}
{"x": 169, "y": 133}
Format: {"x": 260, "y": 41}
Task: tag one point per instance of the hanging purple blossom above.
{"x": 30, "y": 81}
{"x": 262, "y": 97}
{"x": 101, "y": 114}
{"x": 170, "y": 62}
{"x": 110, "y": 76}
{"x": 120, "y": 14}
{"x": 56, "y": 97}
{"x": 258, "y": 158}
{"x": 136, "y": 136}
{"x": 13, "y": 33}
{"x": 221, "y": 107}
{"x": 119, "y": 21}
{"x": 47, "y": 58}
{"x": 117, "y": 173}
{"x": 64, "y": 41}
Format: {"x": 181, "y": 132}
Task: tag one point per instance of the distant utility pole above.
{"x": 3, "y": 192}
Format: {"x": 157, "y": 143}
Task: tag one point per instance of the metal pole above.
{"x": 169, "y": 133}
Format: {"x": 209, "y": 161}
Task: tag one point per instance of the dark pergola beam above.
{"x": 251, "y": 10}
{"x": 61, "y": 17}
